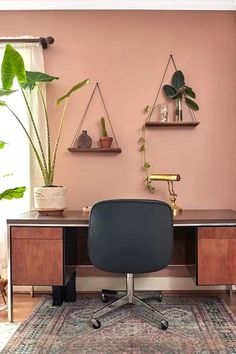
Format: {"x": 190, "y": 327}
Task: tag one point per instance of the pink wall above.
{"x": 127, "y": 52}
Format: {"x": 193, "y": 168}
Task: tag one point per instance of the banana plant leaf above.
{"x": 2, "y": 144}
{"x": 16, "y": 193}
{"x": 6, "y": 92}
{"x": 35, "y": 76}
{"x": 73, "y": 89}
{"x": 12, "y": 66}
{"x": 178, "y": 80}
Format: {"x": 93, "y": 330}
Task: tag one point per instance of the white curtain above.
{"x": 16, "y": 157}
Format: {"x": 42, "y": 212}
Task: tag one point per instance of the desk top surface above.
{"x": 213, "y": 217}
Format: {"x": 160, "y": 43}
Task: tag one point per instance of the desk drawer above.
{"x": 37, "y": 255}
{"x": 37, "y": 232}
{"x": 216, "y": 258}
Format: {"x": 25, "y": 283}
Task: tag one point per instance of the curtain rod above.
{"x": 42, "y": 40}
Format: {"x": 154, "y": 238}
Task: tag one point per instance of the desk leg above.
{"x": 32, "y": 291}
{"x": 231, "y": 290}
{"x": 70, "y": 291}
{"x": 10, "y": 287}
{"x": 10, "y": 302}
{"x": 58, "y": 295}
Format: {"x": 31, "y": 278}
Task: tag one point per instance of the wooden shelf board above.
{"x": 114, "y": 150}
{"x": 172, "y": 124}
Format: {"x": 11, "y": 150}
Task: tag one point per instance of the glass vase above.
{"x": 162, "y": 115}
{"x": 178, "y": 110}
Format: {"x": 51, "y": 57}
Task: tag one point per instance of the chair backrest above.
{"x": 130, "y": 235}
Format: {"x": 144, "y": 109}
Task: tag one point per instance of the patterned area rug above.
{"x": 6, "y": 332}
{"x": 199, "y": 325}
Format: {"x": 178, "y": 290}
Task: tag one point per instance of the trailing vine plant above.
{"x": 146, "y": 165}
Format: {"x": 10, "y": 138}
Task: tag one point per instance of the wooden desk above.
{"x": 44, "y": 250}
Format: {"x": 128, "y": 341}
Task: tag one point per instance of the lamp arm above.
{"x": 170, "y": 178}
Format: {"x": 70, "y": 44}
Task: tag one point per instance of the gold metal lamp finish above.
{"x": 169, "y": 178}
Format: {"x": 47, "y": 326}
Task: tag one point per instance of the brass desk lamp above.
{"x": 170, "y": 178}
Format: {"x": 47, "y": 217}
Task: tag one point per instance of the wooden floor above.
{"x": 24, "y": 304}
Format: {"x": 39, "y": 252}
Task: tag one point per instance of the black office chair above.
{"x": 130, "y": 236}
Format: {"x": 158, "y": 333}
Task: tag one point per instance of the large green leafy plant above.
{"x": 179, "y": 90}
{"x": 13, "y": 67}
{"x": 11, "y": 193}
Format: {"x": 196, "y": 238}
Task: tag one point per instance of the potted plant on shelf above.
{"x": 179, "y": 91}
{"x": 49, "y": 198}
{"x": 105, "y": 140}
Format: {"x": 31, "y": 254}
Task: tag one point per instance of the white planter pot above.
{"x": 50, "y": 199}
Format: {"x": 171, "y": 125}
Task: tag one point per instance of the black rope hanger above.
{"x": 96, "y": 88}
{"x": 170, "y": 60}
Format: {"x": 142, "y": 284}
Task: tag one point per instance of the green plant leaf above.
{"x": 189, "y": 92}
{"x": 73, "y": 89}
{"x": 7, "y": 175}
{"x": 5, "y": 92}
{"x": 2, "y": 103}
{"x": 141, "y": 140}
{"x": 170, "y": 91}
{"x": 9, "y": 194}
{"x": 2, "y": 144}
{"x": 150, "y": 188}
{"x": 191, "y": 104}
{"x": 35, "y": 76}
{"x": 146, "y": 165}
{"x": 178, "y": 80}
{"x": 149, "y": 185}
{"x": 142, "y": 148}
{"x": 146, "y": 109}
{"x": 12, "y": 66}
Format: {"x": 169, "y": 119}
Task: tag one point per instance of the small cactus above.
{"x": 103, "y": 127}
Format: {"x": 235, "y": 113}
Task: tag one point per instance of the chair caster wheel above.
{"x": 159, "y": 298}
{"x": 164, "y": 325}
{"x": 104, "y": 298}
{"x": 95, "y": 323}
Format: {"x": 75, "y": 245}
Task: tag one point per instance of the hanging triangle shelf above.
{"x": 150, "y": 122}
{"x": 76, "y": 147}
